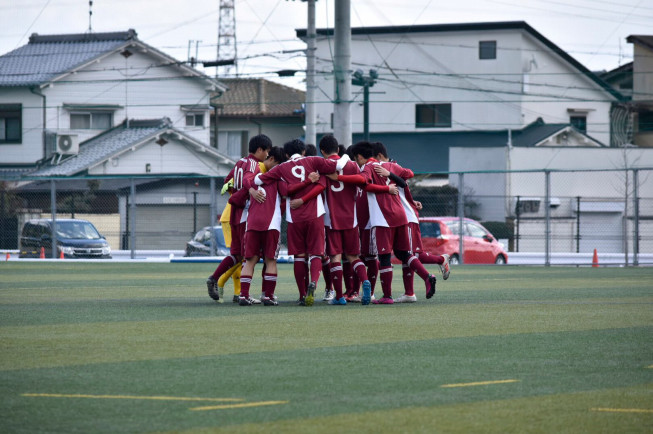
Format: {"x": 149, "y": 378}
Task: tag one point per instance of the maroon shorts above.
{"x": 306, "y": 237}
{"x": 261, "y": 243}
{"x": 367, "y": 246}
{"x": 388, "y": 240}
{"x": 237, "y": 237}
{"x": 415, "y": 236}
{"x": 343, "y": 241}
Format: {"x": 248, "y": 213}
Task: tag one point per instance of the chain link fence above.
{"x": 529, "y": 211}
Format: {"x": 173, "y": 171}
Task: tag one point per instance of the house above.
{"x": 464, "y": 77}
{"x": 60, "y": 90}
{"x": 103, "y": 108}
{"x": 256, "y": 106}
{"x": 642, "y": 89}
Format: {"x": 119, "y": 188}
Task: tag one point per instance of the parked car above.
{"x": 200, "y": 245}
{"x": 76, "y": 238}
{"x": 440, "y": 235}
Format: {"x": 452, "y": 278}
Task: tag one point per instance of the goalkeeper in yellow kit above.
{"x": 233, "y": 272}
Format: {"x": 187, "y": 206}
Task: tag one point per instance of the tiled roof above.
{"x": 105, "y": 145}
{"x": 259, "y": 97}
{"x": 48, "y": 56}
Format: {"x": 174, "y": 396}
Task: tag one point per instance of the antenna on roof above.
{"x": 90, "y": 15}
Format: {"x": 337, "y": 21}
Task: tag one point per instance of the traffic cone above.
{"x": 61, "y": 255}
{"x": 42, "y": 255}
{"x": 8, "y": 256}
{"x": 595, "y": 259}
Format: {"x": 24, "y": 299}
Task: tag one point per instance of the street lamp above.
{"x": 366, "y": 81}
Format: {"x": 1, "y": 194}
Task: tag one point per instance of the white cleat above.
{"x": 329, "y": 294}
{"x": 445, "y": 268}
{"x": 406, "y": 299}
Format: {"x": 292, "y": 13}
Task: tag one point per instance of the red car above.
{"x": 440, "y": 236}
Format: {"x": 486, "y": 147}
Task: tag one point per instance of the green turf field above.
{"x": 113, "y": 347}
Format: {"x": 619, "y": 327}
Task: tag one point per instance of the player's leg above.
{"x": 246, "y": 281}
{"x": 314, "y": 242}
{"x": 326, "y": 275}
{"x": 383, "y": 237}
{"x": 409, "y": 291}
{"x": 270, "y": 248}
{"x": 352, "y": 248}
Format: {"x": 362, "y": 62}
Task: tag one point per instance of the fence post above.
{"x": 577, "y": 224}
{"x": 132, "y": 220}
{"x": 212, "y": 212}
{"x": 53, "y": 209}
{"x": 636, "y": 217}
{"x": 517, "y": 221}
{"x": 461, "y": 216}
{"x": 547, "y": 218}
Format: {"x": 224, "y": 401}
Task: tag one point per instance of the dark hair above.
{"x": 261, "y": 141}
{"x": 341, "y": 150}
{"x": 277, "y": 154}
{"x": 363, "y": 149}
{"x": 311, "y": 150}
{"x": 294, "y": 146}
{"x": 329, "y": 144}
{"x": 379, "y": 148}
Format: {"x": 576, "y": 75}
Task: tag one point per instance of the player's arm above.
{"x": 382, "y": 171}
{"x": 357, "y": 179}
{"x": 271, "y": 175}
{"x": 239, "y": 198}
{"x": 310, "y": 195}
{"x": 376, "y": 189}
{"x": 312, "y": 178}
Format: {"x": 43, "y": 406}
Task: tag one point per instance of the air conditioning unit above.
{"x": 67, "y": 144}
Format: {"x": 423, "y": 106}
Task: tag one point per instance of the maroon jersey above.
{"x": 296, "y": 171}
{"x": 243, "y": 175}
{"x": 385, "y": 209}
{"x": 266, "y": 216}
{"x": 341, "y": 200}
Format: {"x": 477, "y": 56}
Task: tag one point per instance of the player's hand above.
{"x": 296, "y": 203}
{"x": 257, "y": 195}
{"x": 332, "y": 176}
{"x": 381, "y": 171}
{"x": 314, "y": 177}
{"x": 393, "y": 189}
{"x": 418, "y": 204}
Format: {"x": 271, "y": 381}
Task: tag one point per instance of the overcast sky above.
{"x": 592, "y": 31}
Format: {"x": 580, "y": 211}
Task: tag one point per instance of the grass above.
{"x": 115, "y": 348}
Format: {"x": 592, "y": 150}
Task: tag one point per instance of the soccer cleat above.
{"x": 274, "y": 297}
{"x": 310, "y": 294}
{"x": 301, "y": 301}
{"x": 329, "y": 294}
{"x": 338, "y": 301}
{"x": 242, "y": 301}
{"x": 353, "y": 298}
{"x": 406, "y": 299}
{"x": 384, "y": 300}
{"x": 367, "y": 293}
{"x": 431, "y": 286}
{"x": 270, "y": 301}
{"x": 256, "y": 300}
{"x": 445, "y": 268}
{"x": 235, "y": 299}
{"x": 212, "y": 286}
{"x": 221, "y": 293}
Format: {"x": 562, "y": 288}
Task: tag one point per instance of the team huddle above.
{"x": 347, "y": 213}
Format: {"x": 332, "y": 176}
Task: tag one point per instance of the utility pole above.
{"x": 309, "y": 114}
{"x": 342, "y": 67}
{"x": 367, "y": 81}
{"x": 227, "y": 50}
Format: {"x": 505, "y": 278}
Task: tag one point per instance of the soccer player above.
{"x": 243, "y": 175}
{"x": 389, "y": 225}
{"x": 305, "y": 217}
{"x": 340, "y": 220}
{"x": 262, "y": 234}
{"x": 411, "y": 208}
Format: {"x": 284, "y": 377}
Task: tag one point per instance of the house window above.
{"x": 645, "y": 121}
{"x": 91, "y": 121}
{"x": 195, "y": 119}
{"x": 433, "y": 116}
{"x": 10, "y": 123}
{"x": 233, "y": 142}
{"x": 580, "y": 122}
{"x": 487, "y": 50}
